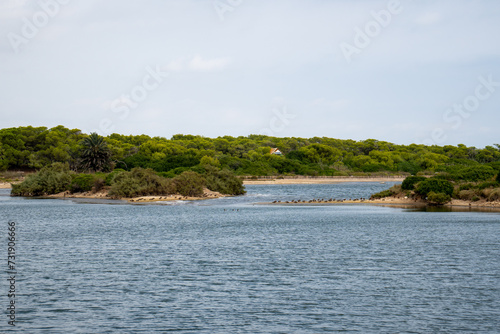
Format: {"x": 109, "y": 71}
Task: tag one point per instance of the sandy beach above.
{"x": 207, "y": 194}
{"x": 324, "y": 180}
{"x": 301, "y": 180}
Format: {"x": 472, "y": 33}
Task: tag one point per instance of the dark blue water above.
{"x": 230, "y": 266}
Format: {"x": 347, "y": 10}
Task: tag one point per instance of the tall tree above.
{"x": 96, "y": 154}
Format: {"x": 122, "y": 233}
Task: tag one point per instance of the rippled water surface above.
{"x": 233, "y": 266}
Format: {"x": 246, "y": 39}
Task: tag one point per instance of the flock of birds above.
{"x": 322, "y": 200}
{"x": 168, "y": 198}
{"x": 159, "y": 198}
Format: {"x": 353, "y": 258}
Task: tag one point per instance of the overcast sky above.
{"x": 400, "y": 71}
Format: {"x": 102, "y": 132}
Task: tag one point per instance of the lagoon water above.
{"x": 233, "y": 266}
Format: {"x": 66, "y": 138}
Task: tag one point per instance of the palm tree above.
{"x": 96, "y": 154}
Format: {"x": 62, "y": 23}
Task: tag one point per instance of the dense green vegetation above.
{"x": 141, "y": 182}
{"x": 95, "y": 154}
{"x": 31, "y": 148}
{"x": 410, "y": 181}
{"x": 434, "y": 185}
{"x": 438, "y": 198}
{"x": 138, "y": 182}
{"x": 440, "y": 189}
{"x": 49, "y": 180}
{"x": 139, "y": 165}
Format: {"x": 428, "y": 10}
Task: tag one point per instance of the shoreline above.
{"x": 396, "y": 202}
{"x": 326, "y": 180}
{"x": 103, "y": 195}
{"x": 300, "y": 180}
{"x": 207, "y": 194}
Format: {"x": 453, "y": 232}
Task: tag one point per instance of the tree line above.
{"x": 32, "y": 148}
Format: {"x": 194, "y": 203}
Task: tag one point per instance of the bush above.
{"x": 434, "y": 185}
{"x": 485, "y": 185}
{"x": 49, "y": 180}
{"x": 224, "y": 181}
{"x": 410, "y": 181}
{"x": 82, "y": 183}
{"x": 498, "y": 177}
{"x": 438, "y": 198}
{"x": 467, "y": 186}
{"x": 140, "y": 182}
{"x": 466, "y": 195}
{"x": 110, "y": 177}
{"x": 470, "y": 173}
{"x": 126, "y": 187}
{"x": 99, "y": 184}
{"x": 494, "y": 195}
{"x": 169, "y": 175}
{"x": 382, "y": 194}
{"x": 478, "y": 173}
{"x": 189, "y": 184}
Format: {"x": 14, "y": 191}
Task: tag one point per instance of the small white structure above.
{"x": 276, "y": 151}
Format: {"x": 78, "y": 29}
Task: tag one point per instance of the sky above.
{"x": 399, "y": 71}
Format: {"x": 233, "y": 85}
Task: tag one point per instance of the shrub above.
{"x": 110, "y": 177}
{"x": 438, "y": 198}
{"x": 82, "y": 183}
{"x": 126, "y": 187}
{"x": 382, "y": 194}
{"x": 189, "y": 184}
{"x": 469, "y": 173}
{"x": 466, "y": 186}
{"x": 49, "y": 180}
{"x": 29, "y": 187}
{"x": 485, "y": 185}
{"x": 478, "y": 173}
{"x": 434, "y": 185}
{"x": 410, "y": 181}
{"x": 494, "y": 195}
{"x": 466, "y": 195}
{"x": 224, "y": 181}
{"x": 99, "y": 184}
{"x": 140, "y": 182}
{"x": 498, "y": 177}
{"x": 169, "y": 175}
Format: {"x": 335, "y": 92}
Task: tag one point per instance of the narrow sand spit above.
{"x": 395, "y": 202}
{"x": 328, "y": 180}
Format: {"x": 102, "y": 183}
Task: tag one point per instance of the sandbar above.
{"x": 325, "y": 180}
